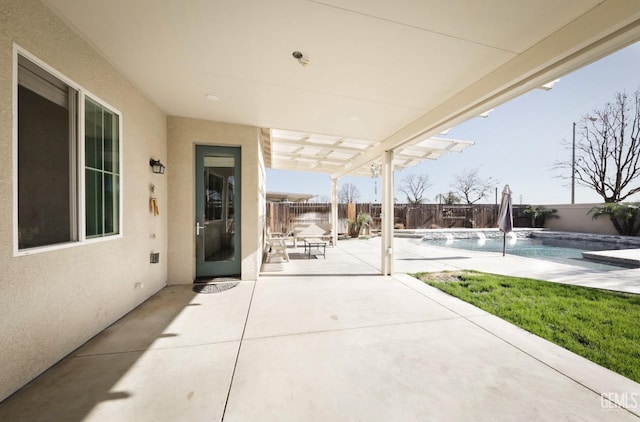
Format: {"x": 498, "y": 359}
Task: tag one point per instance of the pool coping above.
{"x": 618, "y": 240}
{"x": 461, "y": 233}
{"x": 626, "y": 257}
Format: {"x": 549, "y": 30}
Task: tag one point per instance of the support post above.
{"x": 387, "y": 219}
{"x": 334, "y": 211}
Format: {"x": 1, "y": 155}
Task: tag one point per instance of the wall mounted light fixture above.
{"x": 157, "y": 166}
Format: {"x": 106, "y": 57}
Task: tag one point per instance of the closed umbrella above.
{"x": 505, "y": 216}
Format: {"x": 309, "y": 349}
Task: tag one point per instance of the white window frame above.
{"x": 80, "y": 221}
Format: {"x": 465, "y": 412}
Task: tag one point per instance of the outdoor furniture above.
{"x": 277, "y": 246}
{"x": 309, "y": 244}
{"x": 303, "y": 231}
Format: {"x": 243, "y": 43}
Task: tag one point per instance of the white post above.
{"x": 387, "y": 214}
{"x": 334, "y": 211}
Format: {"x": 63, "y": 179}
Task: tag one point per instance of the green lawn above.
{"x": 599, "y": 325}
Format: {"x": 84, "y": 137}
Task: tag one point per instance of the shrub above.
{"x": 539, "y": 215}
{"x": 625, "y": 217}
{"x": 355, "y": 227}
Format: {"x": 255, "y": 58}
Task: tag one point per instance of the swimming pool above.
{"x": 556, "y": 250}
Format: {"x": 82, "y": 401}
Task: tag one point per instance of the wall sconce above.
{"x": 157, "y": 166}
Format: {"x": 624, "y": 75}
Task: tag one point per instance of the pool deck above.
{"x": 414, "y": 256}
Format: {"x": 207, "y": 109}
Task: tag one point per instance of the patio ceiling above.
{"x": 392, "y": 73}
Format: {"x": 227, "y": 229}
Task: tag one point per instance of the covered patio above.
{"x": 139, "y": 112}
{"x": 328, "y": 340}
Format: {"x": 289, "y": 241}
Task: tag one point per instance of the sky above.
{"x": 517, "y": 144}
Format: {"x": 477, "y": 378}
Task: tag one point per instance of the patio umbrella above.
{"x": 505, "y": 216}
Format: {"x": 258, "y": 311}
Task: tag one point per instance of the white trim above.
{"x": 21, "y": 51}
{"x": 14, "y": 148}
{"x": 73, "y": 158}
{"x": 80, "y": 160}
{"x": 120, "y": 173}
{"x": 65, "y": 245}
{"x": 82, "y": 217}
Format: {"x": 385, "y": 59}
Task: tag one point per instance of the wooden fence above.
{"x": 283, "y": 215}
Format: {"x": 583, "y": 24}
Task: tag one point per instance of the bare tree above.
{"x": 320, "y": 199}
{"x": 414, "y": 188}
{"x": 471, "y": 188}
{"x": 607, "y": 149}
{"x": 348, "y": 194}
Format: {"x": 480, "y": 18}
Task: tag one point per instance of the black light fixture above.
{"x": 157, "y": 166}
{"x": 301, "y": 58}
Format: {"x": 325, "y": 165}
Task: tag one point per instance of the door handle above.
{"x": 198, "y": 227}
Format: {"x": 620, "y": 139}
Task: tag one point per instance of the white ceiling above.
{"x": 391, "y": 72}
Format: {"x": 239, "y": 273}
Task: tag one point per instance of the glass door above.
{"x": 217, "y": 211}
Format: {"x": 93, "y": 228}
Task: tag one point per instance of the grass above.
{"x": 599, "y": 325}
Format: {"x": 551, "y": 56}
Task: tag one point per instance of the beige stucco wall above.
{"x": 183, "y": 135}
{"x": 52, "y": 302}
{"x": 575, "y": 218}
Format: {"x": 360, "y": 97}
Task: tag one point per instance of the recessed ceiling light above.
{"x": 211, "y": 97}
{"x": 354, "y": 119}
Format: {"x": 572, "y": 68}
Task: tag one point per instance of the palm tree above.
{"x": 625, "y": 217}
{"x": 539, "y": 215}
{"x": 449, "y": 199}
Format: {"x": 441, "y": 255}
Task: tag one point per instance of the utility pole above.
{"x": 573, "y": 166}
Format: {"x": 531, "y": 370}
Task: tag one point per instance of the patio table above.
{"x": 309, "y": 244}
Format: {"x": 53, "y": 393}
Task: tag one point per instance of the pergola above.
{"x": 334, "y": 155}
{"x": 289, "y": 150}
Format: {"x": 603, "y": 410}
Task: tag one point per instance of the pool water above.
{"x": 561, "y": 251}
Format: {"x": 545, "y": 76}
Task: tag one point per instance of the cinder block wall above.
{"x": 575, "y": 218}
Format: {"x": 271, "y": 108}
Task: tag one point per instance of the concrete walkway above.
{"x": 327, "y": 339}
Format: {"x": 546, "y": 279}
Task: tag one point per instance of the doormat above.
{"x": 214, "y": 287}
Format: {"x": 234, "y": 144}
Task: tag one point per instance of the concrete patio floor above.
{"x": 328, "y": 339}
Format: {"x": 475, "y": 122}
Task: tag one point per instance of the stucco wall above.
{"x": 183, "y": 135}
{"x": 53, "y": 302}
{"x": 575, "y": 218}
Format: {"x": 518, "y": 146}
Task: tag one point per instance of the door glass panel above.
{"x": 230, "y": 213}
{"x": 219, "y": 226}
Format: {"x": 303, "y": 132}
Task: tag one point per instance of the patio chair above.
{"x": 277, "y": 246}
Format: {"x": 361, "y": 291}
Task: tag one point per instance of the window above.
{"x": 102, "y": 184}
{"x": 213, "y": 199}
{"x": 48, "y": 181}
